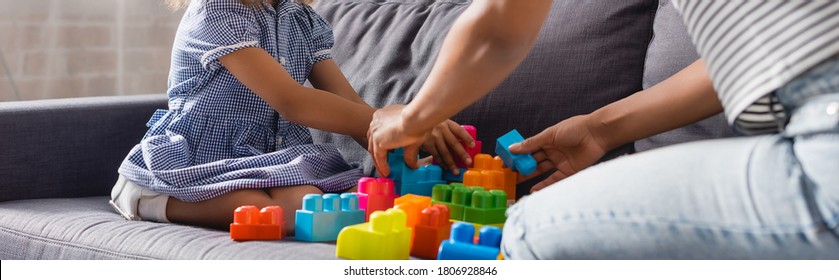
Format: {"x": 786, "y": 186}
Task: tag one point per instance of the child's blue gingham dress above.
{"x": 218, "y": 136}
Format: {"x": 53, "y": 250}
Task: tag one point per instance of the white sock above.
{"x": 153, "y": 207}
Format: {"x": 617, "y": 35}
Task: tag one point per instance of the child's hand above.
{"x": 448, "y": 137}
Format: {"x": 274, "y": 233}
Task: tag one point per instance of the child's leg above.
{"x": 218, "y": 212}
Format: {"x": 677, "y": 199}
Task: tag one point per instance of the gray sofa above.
{"x": 58, "y": 158}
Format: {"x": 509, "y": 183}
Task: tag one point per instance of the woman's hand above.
{"x": 387, "y": 131}
{"x": 567, "y": 147}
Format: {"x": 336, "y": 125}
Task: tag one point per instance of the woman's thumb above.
{"x": 527, "y": 146}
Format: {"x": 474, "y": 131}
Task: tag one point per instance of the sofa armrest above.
{"x": 68, "y": 147}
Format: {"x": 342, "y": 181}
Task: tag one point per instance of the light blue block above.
{"x": 396, "y": 161}
{"x": 323, "y": 217}
{"x": 524, "y": 164}
{"x": 460, "y": 245}
{"x": 420, "y": 181}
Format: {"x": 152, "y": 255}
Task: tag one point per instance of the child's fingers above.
{"x": 455, "y": 145}
{"x": 445, "y": 155}
{"x": 461, "y": 133}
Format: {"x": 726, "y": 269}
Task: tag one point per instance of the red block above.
{"x": 375, "y": 194}
{"x": 433, "y": 228}
{"x": 471, "y": 151}
{"x": 249, "y": 223}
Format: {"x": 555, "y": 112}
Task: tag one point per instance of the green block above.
{"x": 457, "y": 197}
{"x": 486, "y": 207}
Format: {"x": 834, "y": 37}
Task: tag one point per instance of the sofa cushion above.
{"x": 671, "y": 50}
{"x": 589, "y": 53}
{"x": 87, "y": 228}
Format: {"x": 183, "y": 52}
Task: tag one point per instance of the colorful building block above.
{"x": 396, "y": 161}
{"x": 414, "y": 181}
{"x": 448, "y": 176}
{"x": 472, "y": 204}
{"x": 524, "y": 164}
{"x": 455, "y": 196}
{"x": 375, "y": 194}
{"x": 432, "y": 229}
{"x": 420, "y": 181}
{"x": 488, "y": 179}
{"x": 412, "y": 205}
{"x": 385, "y": 237}
{"x": 491, "y": 173}
{"x": 510, "y": 178}
{"x": 323, "y": 216}
{"x": 461, "y": 245}
{"x": 249, "y": 223}
{"x": 486, "y": 207}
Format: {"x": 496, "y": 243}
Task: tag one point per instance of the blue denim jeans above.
{"x": 761, "y": 197}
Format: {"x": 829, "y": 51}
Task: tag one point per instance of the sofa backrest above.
{"x": 589, "y": 53}
{"x": 69, "y": 147}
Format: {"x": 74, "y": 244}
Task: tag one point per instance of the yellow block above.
{"x": 385, "y": 237}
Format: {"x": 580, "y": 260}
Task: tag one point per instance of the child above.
{"x": 236, "y": 129}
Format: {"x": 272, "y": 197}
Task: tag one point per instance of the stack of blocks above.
{"x": 461, "y": 245}
{"x": 249, "y": 223}
{"x": 323, "y": 217}
{"x": 385, "y": 237}
{"x": 375, "y": 194}
{"x": 492, "y": 174}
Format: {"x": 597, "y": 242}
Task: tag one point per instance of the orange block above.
{"x": 433, "y": 228}
{"x": 249, "y": 223}
{"x": 412, "y": 205}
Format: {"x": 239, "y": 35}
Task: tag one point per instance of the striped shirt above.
{"x": 753, "y": 47}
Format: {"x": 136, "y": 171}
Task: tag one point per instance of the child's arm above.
{"x": 327, "y": 76}
{"x": 314, "y": 108}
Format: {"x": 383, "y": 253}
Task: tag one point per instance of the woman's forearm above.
{"x": 684, "y": 98}
{"x": 485, "y": 44}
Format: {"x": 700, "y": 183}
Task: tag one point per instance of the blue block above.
{"x": 414, "y": 181}
{"x": 524, "y": 164}
{"x": 323, "y": 217}
{"x": 460, "y": 246}
{"x": 396, "y": 161}
{"x": 420, "y": 181}
{"x": 422, "y": 188}
{"x": 449, "y": 176}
